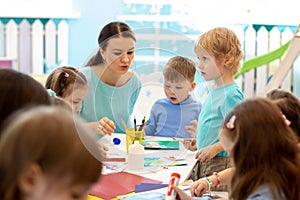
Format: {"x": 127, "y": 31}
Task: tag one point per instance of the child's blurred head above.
{"x": 68, "y": 83}
{"x": 289, "y": 105}
{"x": 53, "y": 154}
{"x": 58, "y": 101}
{"x": 222, "y": 46}
{"x": 19, "y": 90}
{"x": 179, "y": 74}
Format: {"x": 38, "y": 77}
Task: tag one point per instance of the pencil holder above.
{"x": 132, "y": 135}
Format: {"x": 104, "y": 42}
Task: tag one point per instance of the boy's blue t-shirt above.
{"x": 217, "y": 105}
{"x": 115, "y": 103}
{"x": 169, "y": 120}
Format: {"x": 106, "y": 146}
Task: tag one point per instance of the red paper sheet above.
{"x": 120, "y": 183}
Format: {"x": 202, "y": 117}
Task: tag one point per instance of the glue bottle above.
{"x": 174, "y": 180}
{"x": 136, "y": 155}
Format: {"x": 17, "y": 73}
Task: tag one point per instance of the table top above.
{"x": 156, "y": 173}
{"x": 159, "y": 172}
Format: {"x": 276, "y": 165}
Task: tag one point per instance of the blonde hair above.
{"x": 222, "y": 43}
{"x": 53, "y": 139}
{"x": 179, "y": 68}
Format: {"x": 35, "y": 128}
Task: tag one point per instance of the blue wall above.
{"x": 94, "y": 14}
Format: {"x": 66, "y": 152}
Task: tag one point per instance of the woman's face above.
{"x": 119, "y": 54}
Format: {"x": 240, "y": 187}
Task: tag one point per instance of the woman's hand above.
{"x": 105, "y": 126}
{"x": 190, "y": 144}
{"x": 199, "y": 188}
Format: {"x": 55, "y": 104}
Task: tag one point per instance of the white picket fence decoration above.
{"x": 255, "y": 43}
{"x": 262, "y": 72}
{"x": 35, "y": 46}
{"x": 11, "y": 43}
{"x": 37, "y": 55}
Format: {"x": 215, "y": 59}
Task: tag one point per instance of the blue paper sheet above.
{"x": 148, "y": 186}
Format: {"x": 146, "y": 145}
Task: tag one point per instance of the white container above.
{"x": 174, "y": 180}
{"x": 136, "y": 154}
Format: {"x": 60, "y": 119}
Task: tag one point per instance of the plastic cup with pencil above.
{"x": 135, "y": 133}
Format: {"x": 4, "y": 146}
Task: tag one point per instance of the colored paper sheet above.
{"x": 115, "y": 184}
{"x": 161, "y": 144}
{"x": 148, "y": 186}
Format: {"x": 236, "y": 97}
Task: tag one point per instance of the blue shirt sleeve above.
{"x": 150, "y": 128}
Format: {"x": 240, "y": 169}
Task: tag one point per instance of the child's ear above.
{"x": 29, "y": 178}
{"x": 193, "y": 85}
{"x": 228, "y": 61}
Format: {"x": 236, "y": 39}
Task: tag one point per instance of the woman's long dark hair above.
{"x": 111, "y": 30}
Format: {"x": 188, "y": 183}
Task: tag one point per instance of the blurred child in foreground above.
{"x": 54, "y": 160}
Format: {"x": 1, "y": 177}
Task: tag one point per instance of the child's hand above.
{"x": 106, "y": 126}
{"x": 206, "y": 153}
{"x": 190, "y": 144}
{"x": 192, "y": 130}
{"x": 199, "y": 188}
{"x": 103, "y": 149}
{"x": 181, "y": 195}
